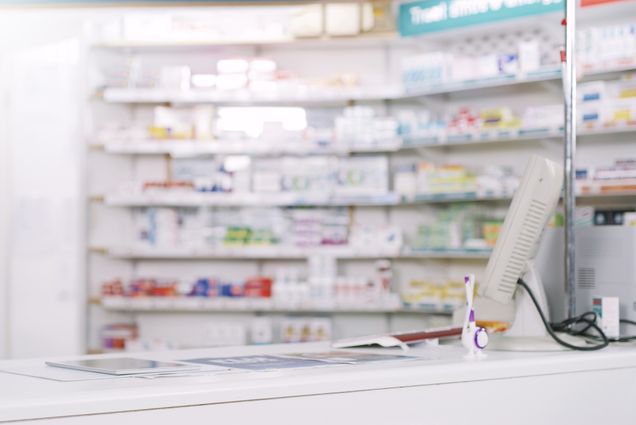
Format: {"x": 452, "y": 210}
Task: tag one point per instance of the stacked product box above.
{"x": 617, "y": 178}
{"x": 472, "y": 124}
{"x": 432, "y": 69}
{"x": 436, "y": 295}
{"x": 447, "y": 179}
{"x": 460, "y": 227}
{"x": 607, "y": 47}
{"x": 608, "y": 104}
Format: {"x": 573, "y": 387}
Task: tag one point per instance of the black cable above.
{"x": 625, "y": 338}
{"x": 569, "y": 326}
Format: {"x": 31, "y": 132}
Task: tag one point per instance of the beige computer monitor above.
{"x": 532, "y": 206}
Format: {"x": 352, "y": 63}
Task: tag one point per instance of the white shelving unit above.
{"x": 242, "y": 98}
{"x": 194, "y": 148}
{"x": 313, "y": 97}
{"x": 289, "y": 253}
{"x": 197, "y": 199}
{"x": 372, "y": 56}
{"x": 384, "y": 38}
{"x": 326, "y": 96}
{"x": 219, "y": 200}
{"x": 203, "y": 305}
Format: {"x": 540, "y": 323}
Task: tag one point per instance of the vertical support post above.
{"x": 569, "y": 200}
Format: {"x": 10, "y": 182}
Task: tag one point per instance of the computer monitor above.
{"x": 532, "y": 206}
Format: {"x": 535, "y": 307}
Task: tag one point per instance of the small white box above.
{"x": 307, "y": 22}
{"x": 342, "y": 19}
{"x": 529, "y": 56}
{"x": 607, "y": 308}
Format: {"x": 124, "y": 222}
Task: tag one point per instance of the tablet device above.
{"x": 123, "y": 366}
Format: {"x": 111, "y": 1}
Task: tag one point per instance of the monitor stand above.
{"x": 528, "y": 332}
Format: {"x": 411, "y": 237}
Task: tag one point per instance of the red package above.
{"x": 258, "y": 287}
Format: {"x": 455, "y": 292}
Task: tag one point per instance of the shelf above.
{"x": 287, "y": 253}
{"x": 326, "y": 95}
{"x": 240, "y": 253}
{"x": 607, "y": 198}
{"x": 256, "y": 305}
{"x": 379, "y": 39}
{"x": 447, "y": 254}
{"x": 619, "y": 66}
{"x": 313, "y": 96}
{"x": 513, "y": 136}
{"x": 229, "y": 200}
{"x": 483, "y": 138}
{"x": 499, "y": 81}
{"x": 368, "y": 39}
{"x": 539, "y": 76}
{"x": 192, "y": 148}
{"x": 316, "y": 96}
{"x": 606, "y": 131}
{"x": 202, "y": 199}
{"x": 445, "y": 198}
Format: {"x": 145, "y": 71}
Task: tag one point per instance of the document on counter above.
{"x": 56, "y": 374}
{"x": 348, "y": 357}
{"x": 295, "y": 360}
{"x": 259, "y": 363}
{"x": 50, "y": 373}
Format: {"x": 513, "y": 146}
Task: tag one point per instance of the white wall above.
{"x": 4, "y": 220}
{"x": 41, "y": 223}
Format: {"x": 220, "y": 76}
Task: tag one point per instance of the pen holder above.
{"x": 474, "y": 338}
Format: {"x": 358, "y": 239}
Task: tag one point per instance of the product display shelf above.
{"x": 326, "y": 96}
{"x": 498, "y": 81}
{"x": 452, "y": 197}
{"x": 202, "y": 199}
{"x": 314, "y": 96}
{"x": 619, "y": 66}
{"x": 482, "y": 138}
{"x": 193, "y": 148}
{"x": 447, "y": 254}
{"x": 508, "y": 137}
{"x": 381, "y": 38}
{"x": 550, "y": 74}
{"x": 607, "y": 198}
{"x": 211, "y": 199}
{"x": 288, "y": 253}
{"x": 442, "y": 198}
{"x": 259, "y": 305}
{"x": 229, "y": 200}
{"x": 317, "y": 96}
{"x": 243, "y": 252}
{"x": 587, "y": 133}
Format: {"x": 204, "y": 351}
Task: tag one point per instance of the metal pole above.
{"x": 569, "y": 199}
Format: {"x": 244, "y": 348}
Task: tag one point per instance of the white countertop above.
{"x": 24, "y": 397}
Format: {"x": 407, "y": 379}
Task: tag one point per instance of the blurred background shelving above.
{"x": 286, "y": 179}
{"x": 386, "y": 174}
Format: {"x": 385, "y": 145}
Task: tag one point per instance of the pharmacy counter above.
{"x": 438, "y": 387}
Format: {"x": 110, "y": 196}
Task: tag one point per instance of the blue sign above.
{"x": 438, "y": 15}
